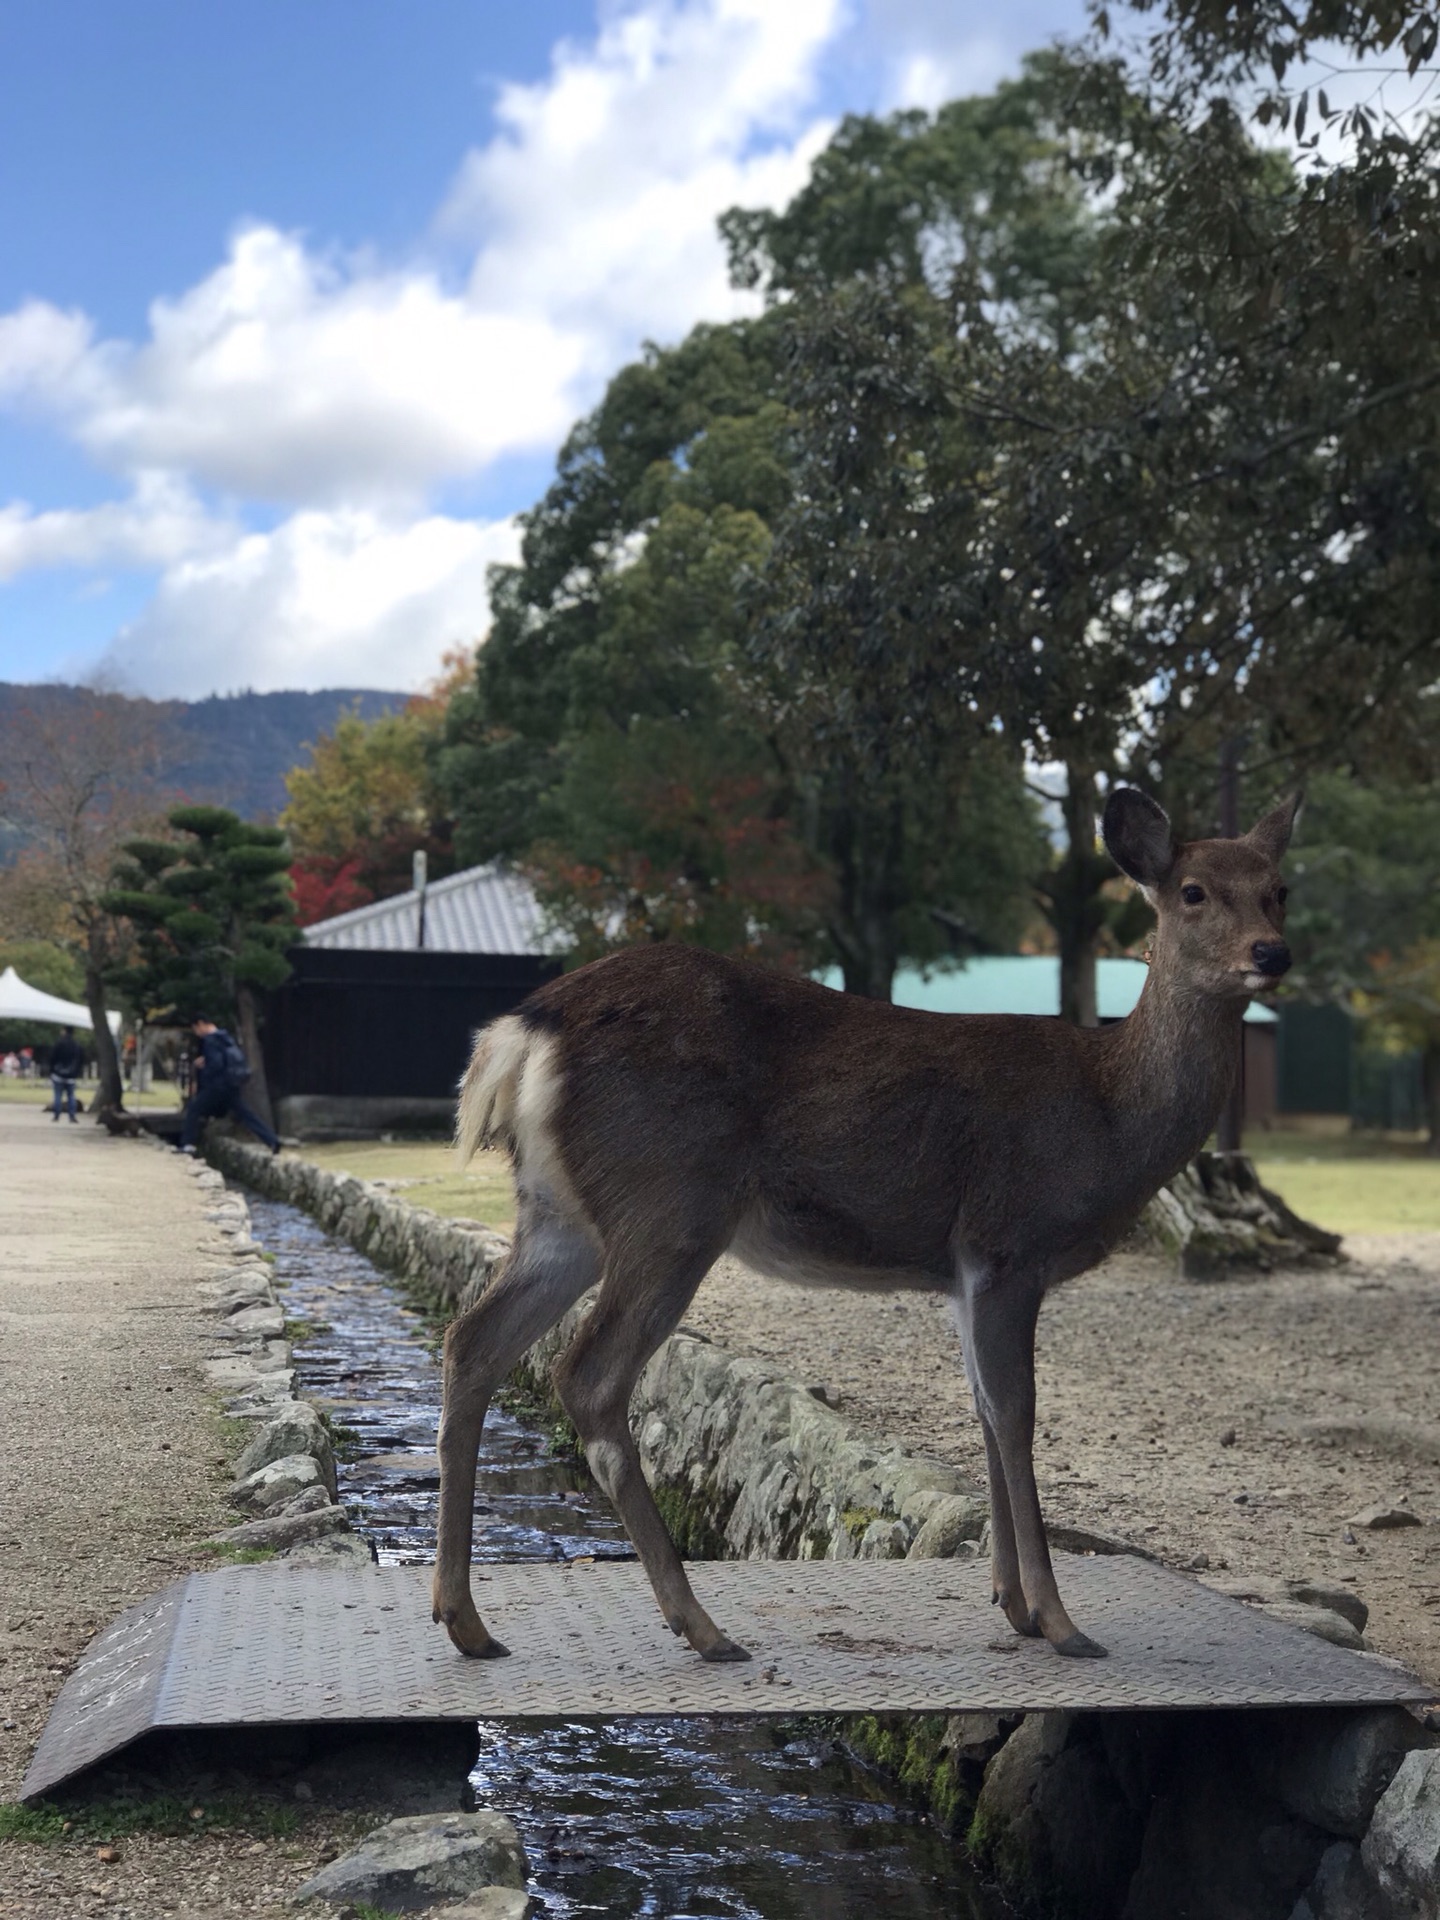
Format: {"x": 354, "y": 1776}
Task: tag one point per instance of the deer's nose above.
{"x": 1271, "y": 957}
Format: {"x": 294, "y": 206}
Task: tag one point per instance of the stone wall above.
{"x": 745, "y": 1462}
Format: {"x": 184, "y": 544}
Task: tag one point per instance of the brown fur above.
{"x": 666, "y": 1103}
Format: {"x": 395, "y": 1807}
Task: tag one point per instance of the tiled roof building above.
{"x": 485, "y": 909}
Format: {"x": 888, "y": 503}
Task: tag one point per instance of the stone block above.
{"x": 1402, "y": 1849}
{"x": 956, "y": 1518}
{"x": 1331, "y": 1765}
{"x": 286, "y": 1531}
{"x": 277, "y": 1482}
{"x": 410, "y": 1865}
{"x": 295, "y": 1428}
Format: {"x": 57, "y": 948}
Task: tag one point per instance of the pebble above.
{"x": 1378, "y": 1519}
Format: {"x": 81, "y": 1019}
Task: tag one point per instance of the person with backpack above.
{"x": 66, "y": 1062}
{"x": 221, "y": 1071}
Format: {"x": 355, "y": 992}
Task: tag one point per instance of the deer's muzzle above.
{"x": 1271, "y": 957}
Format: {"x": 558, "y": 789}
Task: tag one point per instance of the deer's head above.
{"x": 1219, "y": 904}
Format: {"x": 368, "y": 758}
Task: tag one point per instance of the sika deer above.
{"x": 665, "y": 1103}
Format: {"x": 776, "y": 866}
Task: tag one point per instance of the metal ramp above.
{"x": 276, "y": 1645}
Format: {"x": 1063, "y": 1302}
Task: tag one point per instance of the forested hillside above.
{"x": 234, "y": 749}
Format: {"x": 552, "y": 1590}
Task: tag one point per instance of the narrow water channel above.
{"x": 666, "y": 1818}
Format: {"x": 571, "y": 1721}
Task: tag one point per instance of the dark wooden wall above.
{"x": 395, "y": 1025}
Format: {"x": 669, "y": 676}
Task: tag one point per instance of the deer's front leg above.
{"x": 998, "y": 1328}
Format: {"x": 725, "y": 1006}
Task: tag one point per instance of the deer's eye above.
{"x": 1283, "y": 895}
{"x": 1192, "y": 896}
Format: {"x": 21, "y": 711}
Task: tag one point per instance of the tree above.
{"x": 1366, "y": 912}
{"x": 78, "y": 780}
{"x": 213, "y": 915}
{"x": 693, "y": 430}
{"x": 862, "y": 656}
{"x": 361, "y": 808}
{"x": 972, "y": 239}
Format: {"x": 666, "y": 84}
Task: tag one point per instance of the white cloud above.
{"x": 43, "y": 352}
{"x": 341, "y": 598}
{"x": 598, "y": 198}
{"x": 161, "y": 523}
{"x": 928, "y": 54}
{"x": 281, "y": 378}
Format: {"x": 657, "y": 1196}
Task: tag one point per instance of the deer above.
{"x": 665, "y": 1104}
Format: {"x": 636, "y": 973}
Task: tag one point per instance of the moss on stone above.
{"x": 910, "y": 1749}
{"x": 856, "y": 1519}
{"x": 695, "y": 1521}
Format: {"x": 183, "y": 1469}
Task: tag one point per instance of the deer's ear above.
{"x": 1137, "y": 832}
{"x": 1272, "y": 834}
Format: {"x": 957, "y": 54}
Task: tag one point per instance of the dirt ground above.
{"x": 1141, "y": 1379}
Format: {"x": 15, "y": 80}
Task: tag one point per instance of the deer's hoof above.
{"x": 469, "y": 1634}
{"x": 1080, "y": 1646}
{"x": 725, "y": 1649}
{"x": 1026, "y": 1623}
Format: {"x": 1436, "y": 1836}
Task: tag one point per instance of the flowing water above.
{"x": 749, "y": 1818}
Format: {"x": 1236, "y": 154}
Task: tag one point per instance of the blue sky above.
{"x": 297, "y": 302}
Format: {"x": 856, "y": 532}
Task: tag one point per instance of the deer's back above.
{"x": 851, "y": 1128}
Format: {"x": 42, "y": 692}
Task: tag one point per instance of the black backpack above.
{"x": 235, "y": 1068}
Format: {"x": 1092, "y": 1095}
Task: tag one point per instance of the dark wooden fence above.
{"x": 392, "y": 1025}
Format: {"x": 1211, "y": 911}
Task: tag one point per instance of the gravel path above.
{"x": 112, "y": 1467}
{"x": 1171, "y": 1413}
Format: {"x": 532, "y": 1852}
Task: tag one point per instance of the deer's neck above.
{"x": 1171, "y": 1066}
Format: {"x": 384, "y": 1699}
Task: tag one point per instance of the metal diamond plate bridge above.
{"x": 250, "y": 1646}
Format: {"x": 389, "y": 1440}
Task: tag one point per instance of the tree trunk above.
{"x": 867, "y": 965}
{"x": 1077, "y": 909}
{"x": 257, "y": 1088}
{"x": 868, "y": 852}
{"x": 1430, "y": 1082}
{"x": 111, "y": 1092}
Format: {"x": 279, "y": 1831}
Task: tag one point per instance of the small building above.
{"x": 373, "y": 1028}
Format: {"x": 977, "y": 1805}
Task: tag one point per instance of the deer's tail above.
{"x": 491, "y": 1086}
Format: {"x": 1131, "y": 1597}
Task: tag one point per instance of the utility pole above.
{"x": 1230, "y": 1129}
{"x": 419, "y": 880}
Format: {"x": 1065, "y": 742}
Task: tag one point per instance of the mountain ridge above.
{"x": 230, "y": 749}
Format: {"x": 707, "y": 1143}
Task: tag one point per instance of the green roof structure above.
{"x": 1019, "y": 983}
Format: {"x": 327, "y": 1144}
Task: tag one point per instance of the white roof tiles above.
{"x": 485, "y": 909}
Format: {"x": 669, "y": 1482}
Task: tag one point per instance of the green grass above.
{"x": 1359, "y": 1196}
{"x": 483, "y": 1191}
{"x": 1349, "y": 1182}
{"x": 36, "y": 1093}
{"x": 237, "y": 1556}
{"x": 46, "y": 1824}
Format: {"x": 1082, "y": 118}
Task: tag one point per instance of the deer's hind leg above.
{"x": 641, "y": 1301}
{"x": 551, "y": 1264}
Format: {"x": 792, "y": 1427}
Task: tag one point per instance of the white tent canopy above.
{"x": 21, "y": 1002}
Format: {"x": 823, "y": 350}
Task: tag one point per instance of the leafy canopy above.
{"x": 212, "y": 911}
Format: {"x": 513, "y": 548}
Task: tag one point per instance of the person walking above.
{"x": 221, "y": 1071}
{"x": 67, "y": 1058}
